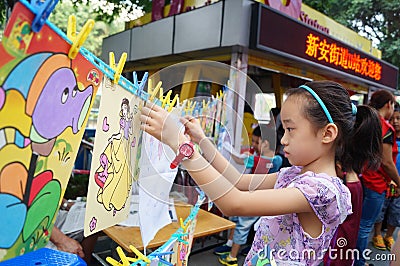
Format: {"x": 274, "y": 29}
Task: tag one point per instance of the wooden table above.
{"x": 207, "y": 224}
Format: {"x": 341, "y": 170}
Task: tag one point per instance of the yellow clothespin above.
{"x": 124, "y": 259}
{"x": 139, "y": 254}
{"x": 117, "y": 68}
{"x": 171, "y": 105}
{"x": 184, "y": 227}
{"x": 183, "y": 106}
{"x": 205, "y": 105}
{"x": 166, "y": 99}
{"x": 150, "y": 86}
{"x": 188, "y": 106}
{"x": 71, "y": 27}
{"x": 154, "y": 92}
{"x": 113, "y": 262}
{"x": 192, "y": 107}
{"x": 160, "y": 94}
{"x": 77, "y": 40}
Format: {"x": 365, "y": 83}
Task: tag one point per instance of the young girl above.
{"x": 304, "y": 203}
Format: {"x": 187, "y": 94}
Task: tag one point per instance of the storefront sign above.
{"x": 312, "y": 22}
{"x": 336, "y": 55}
{"x": 285, "y": 36}
{"x": 336, "y": 30}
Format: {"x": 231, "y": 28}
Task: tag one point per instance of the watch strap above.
{"x": 176, "y": 161}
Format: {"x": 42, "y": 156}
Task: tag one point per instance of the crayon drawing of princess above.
{"x": 113, "y": 176}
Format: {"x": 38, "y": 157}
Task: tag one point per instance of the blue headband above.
{"x": 321, "y": 103}
{"x": 353, "y": 109}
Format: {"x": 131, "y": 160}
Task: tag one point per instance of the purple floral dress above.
{"x": 283, "y": 236}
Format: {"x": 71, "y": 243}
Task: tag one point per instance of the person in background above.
{"x": 302, "y": 205}
{"x": 255, "y": 142}
{"x": 279, "y": 134}
{"x": 391, "y": 206}
{"x": 73, "y": 242}
{"x": 376, "y": 182}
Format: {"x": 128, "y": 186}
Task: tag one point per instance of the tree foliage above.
{"x": 109, "y": 17}
{"x": 102, "y": 10}
{"x": 101, "y": 29}
{"x": 376, "y": 19}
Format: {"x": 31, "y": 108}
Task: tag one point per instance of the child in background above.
{"x": 263, "y": 160}
{"x": 304, "y": 203}
{"x": 267, "y": 161}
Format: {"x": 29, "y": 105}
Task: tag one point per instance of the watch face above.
{"x": 186, "y": 150}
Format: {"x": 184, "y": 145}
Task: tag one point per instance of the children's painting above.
{"x": 183, "y": 246}
{"x": 155, "y": 182}
{"x": 45, "y": 99}
{"x": 117, "y": 144}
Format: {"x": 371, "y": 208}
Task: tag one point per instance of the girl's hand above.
{"x": 160, "y": 124}
{"x": 193, "y": 128}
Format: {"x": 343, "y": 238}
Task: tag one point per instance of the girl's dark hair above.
{"x": 257, "y": 131}
{"x": 359, "y": 140}
{"x": 268, "y": 132}
{"x": 396, "y": 107}
{"x": 126, "y": 102}
{"x": 380, "y": 97}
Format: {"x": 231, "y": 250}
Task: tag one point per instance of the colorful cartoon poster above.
{"x": 115, "y": 160}
{"x": 45, "y": 99}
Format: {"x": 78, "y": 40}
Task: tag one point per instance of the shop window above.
{"x": 203, "y": 89}
{"x": 263, "y": 104}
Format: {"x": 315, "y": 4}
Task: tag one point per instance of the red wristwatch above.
{"x": 185, "y": 150}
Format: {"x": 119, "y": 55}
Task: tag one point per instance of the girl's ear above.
{"x": 330, "y": 133}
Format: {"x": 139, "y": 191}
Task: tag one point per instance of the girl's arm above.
{"x": 237, "y": 160}
{"x": 157, "y": 122}
{"x": 219, "y": 162}
{"x": 231, "y": 201}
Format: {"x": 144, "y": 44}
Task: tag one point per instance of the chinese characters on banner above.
{"x": 340, "y": 56}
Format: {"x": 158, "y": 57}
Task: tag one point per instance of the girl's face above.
{"x": 390, "y": 110}
{"x": 301, "y": 141}
{"x": 395, "y": 121}
{"x": 263, "y": 147}
{"x": 124, "y": 110}
{"x": 255, "y": 143}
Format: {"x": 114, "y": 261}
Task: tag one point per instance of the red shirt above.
{"x": 379, "y": 180}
